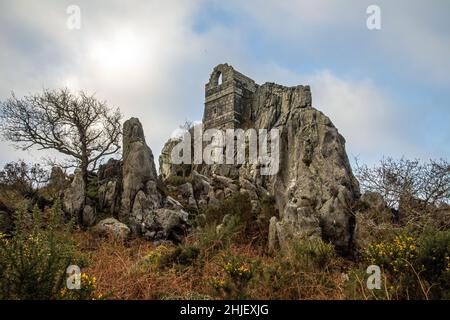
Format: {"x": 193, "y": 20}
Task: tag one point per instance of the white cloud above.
{"x": 414, "y": 35}
{"x": 145, "y": 57}
{"x": 372, "y": 121}
{"x": 364, "y": 114}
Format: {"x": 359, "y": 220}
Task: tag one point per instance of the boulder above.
{"x": 166, "y": 225}
{"x": 200, "y": 185}
{"x": 113, "y": 228}
{"x": 186, "y": 193}
{"x": 171, "y": 203}
{"x": 186, "y": 190}
{"x": 146, "y": 211}
{"x": 222, "y": 182}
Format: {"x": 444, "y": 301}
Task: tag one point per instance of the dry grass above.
{"x": 122, "y": 273}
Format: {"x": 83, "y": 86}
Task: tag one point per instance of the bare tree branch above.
{"x": 77, "y": 125}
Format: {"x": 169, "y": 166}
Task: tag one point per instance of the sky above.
{"x": 387, "y": 91}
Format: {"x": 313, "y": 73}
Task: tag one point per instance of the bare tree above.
{"x": 187, "y": 125}
{"x": 408, "y": 185}
{"x": 25, "y": 178}
{"x": 77, "y": 125}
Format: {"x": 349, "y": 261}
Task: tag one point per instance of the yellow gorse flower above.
{"x": 393, "y": 255}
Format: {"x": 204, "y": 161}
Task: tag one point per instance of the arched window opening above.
{"x": 220, "y": 79}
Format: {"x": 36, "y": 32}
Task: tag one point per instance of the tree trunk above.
{"x": 84, "y": 173}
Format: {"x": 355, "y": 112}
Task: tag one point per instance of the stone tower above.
{"x": 228, "y": 94}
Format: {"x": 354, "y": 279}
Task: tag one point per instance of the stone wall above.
{"x": 225, "y": 102}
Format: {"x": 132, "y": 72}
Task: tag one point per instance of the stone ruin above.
{"x": 315, "y": 189}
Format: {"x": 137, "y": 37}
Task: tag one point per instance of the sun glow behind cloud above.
{"x": 120, "y": 54}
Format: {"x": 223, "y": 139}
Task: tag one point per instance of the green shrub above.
{"x": 394, "y": 256}
{"x": 313, "y": 254}
{"x": 153, "y": 259}
{"x": 253, "y": 223}
{"x": 92, "y": 187}
{"x": 237, "y": 205}
{"x": 306, "y": 270}
{"x": 183, "y": 255}
{"x": 87, "y": 291}
{"x": 34, "y": 259}
{"x": 211, "y": 239}
{"x": 5, "y": 221}
{"x": 433, "y": 259}
{"x": 177, "y": 180}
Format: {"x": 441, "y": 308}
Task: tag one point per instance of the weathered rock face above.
{"x": 88, "y": 215}
{"x": 110, "y": 186}
{"x": 200, "y": 187}
{"x": 146, "y": 211}
{"x": 74, "y": 196}
{"x": 139, "y": 176}
{"x": 315, "y": 189}
{"x": 166, "y": 168}
{"x": 113, "y": 228}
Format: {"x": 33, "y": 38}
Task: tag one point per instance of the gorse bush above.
{"x": 87, "y": 291}
{"x": 34, "y": 258}
{"x": 414, "y": 268}
{"x": 182, "y": 255}
{"x": 236, "y": 274}
{"x": 213, "y": 238}
{"x": 393, "y": 256}
{"x": 153, "y": 260}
